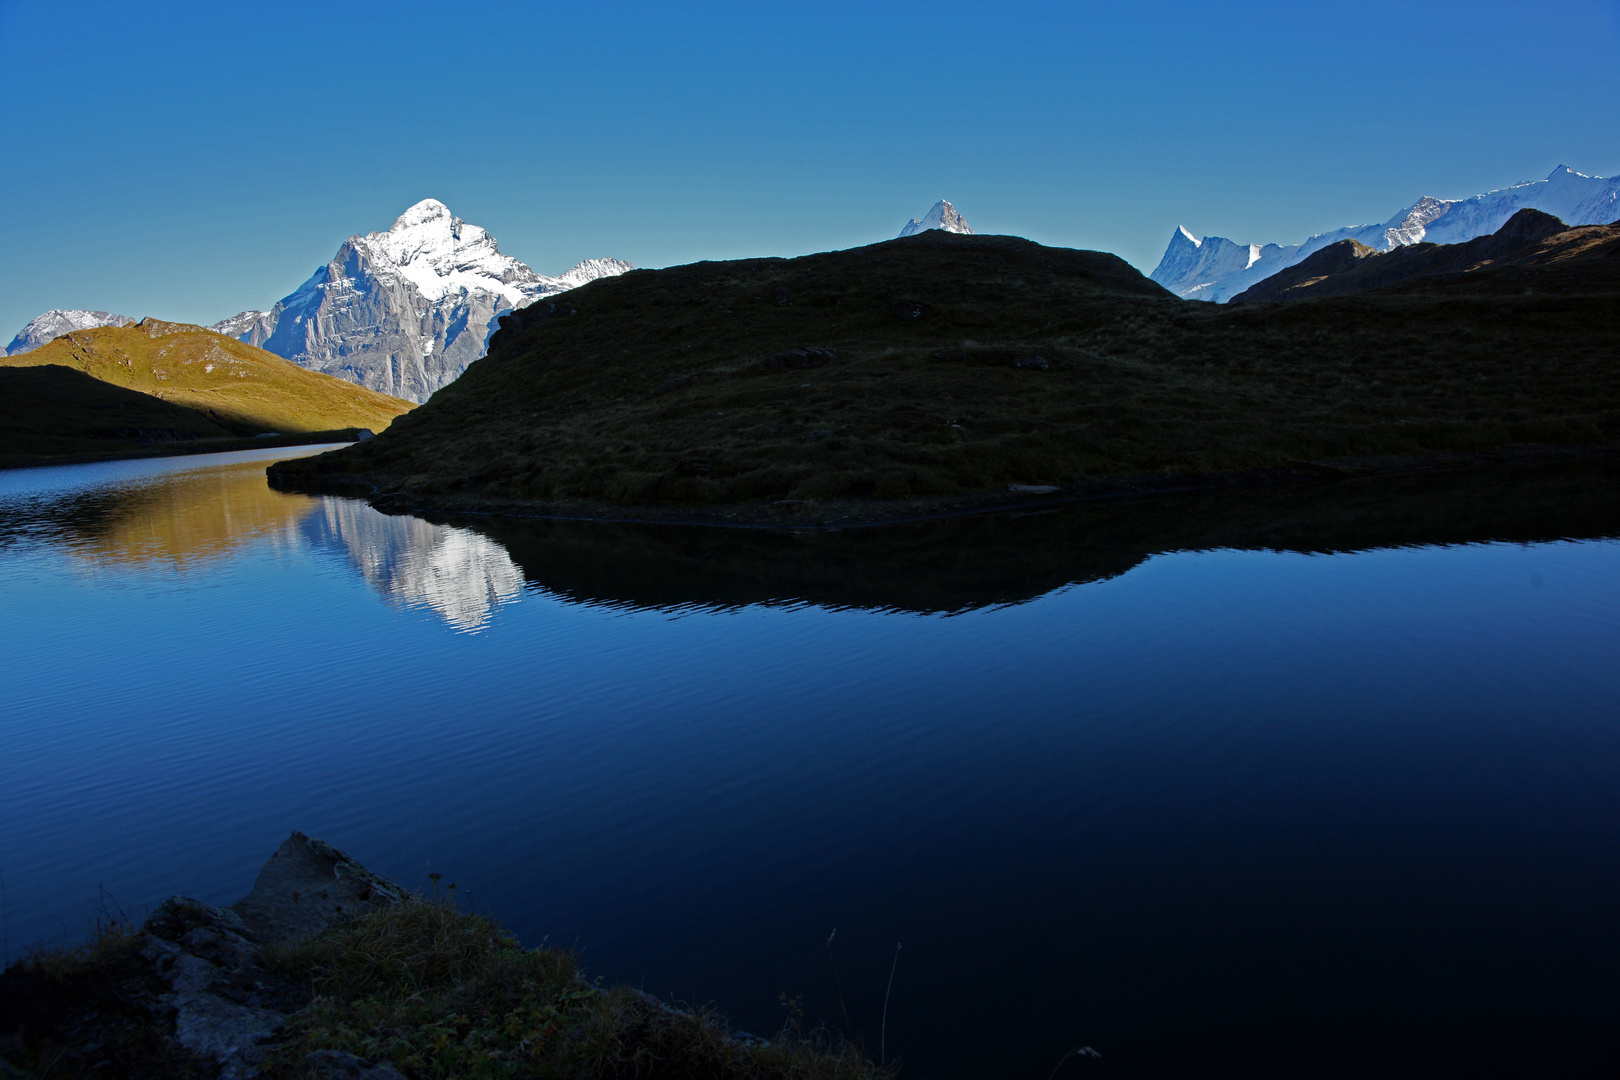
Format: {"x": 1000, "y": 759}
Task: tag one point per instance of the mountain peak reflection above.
{"x": 459, "y": 575}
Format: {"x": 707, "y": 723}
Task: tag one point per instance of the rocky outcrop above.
{"x": 192, "y": 993}
{"x": 222, "y": 997}
{"x": 308, "y": 885}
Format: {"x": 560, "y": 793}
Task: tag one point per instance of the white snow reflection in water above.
{"x": 186, "y": 516}
{"x": 457, "y": 574}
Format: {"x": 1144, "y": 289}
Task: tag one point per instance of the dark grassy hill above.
{"x": 941, "y": 367}
{"x": 165, "y": 386}
{"x": 1529, "y": 237}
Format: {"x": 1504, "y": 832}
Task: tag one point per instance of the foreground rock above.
{"x": 326, "y": 970}
{"x": 192, "y": 994}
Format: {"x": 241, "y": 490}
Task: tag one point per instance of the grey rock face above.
{"x": 942, "y": 216}
{"x": 306, "y": 886}
{"x": 56, "y": 322}
{"x": 221, "y": 997}
{"x": 338, "y": 1065}
{"x": 210, "y": 960}
{"x": 405, "y": 311}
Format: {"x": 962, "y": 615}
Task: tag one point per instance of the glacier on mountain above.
{"x": 405, "y": 311}
{"x": 942, "y": 216}
{"x": 56, "y": 322}
{"x": 1215, "y": 268}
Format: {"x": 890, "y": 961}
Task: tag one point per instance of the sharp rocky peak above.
{"x": 943, "y": 216}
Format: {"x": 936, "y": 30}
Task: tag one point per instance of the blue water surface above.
{"x": 1230, "y": 811}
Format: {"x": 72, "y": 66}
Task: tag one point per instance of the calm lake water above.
{"x": 1322, "y": 782}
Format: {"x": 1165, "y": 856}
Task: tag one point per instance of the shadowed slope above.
{"x": 51, "y": 409}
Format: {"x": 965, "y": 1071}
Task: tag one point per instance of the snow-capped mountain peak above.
{"x": 440, "y": 254}
{"x": 406, "y": 310}
{"x": 58, "y": 321}
{"x": 942, "y": 216}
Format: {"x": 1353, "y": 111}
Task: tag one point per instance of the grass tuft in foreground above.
{"x": 442, "y": 992}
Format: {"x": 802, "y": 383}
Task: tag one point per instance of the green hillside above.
{"x": 946, "y": 367}
{"x": 156, "y": 386}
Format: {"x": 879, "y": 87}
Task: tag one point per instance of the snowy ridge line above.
{"x": 43, "y": 329}
{"x": 1215, "y": 268}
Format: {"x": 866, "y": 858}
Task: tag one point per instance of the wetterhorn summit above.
{"x": 405, "y": 311}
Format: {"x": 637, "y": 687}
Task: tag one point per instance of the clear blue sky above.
{"x": 193, "y": 160}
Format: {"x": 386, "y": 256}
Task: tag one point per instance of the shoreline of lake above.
{"x": 838, "y": 514}
{"x": 187, "y": 448}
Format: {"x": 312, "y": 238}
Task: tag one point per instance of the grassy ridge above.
{"x": 157, "y": 382}
{"x": 419, "y": 989}
{"x": 445, "y": 993}
{"x": 937, "y": 365}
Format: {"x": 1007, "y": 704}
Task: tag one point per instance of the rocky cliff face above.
{"x": 44, "y": 329}
{"x": 1215, "y": 268}
{"x": 405, "y": 311}
{"x": 942, "y": 216}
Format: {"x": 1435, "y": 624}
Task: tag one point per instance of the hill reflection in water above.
{"x": 945, "y": 567}
{"x": 1232, "y": 808}
{"x": 188, "y": 515}
{"x": 191, "y": 513}
{"x": 175, "y": 514}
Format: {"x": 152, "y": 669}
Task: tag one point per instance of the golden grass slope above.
{"x": 242, "y": 388}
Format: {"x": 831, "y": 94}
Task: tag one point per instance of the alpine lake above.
{"x": 1322, "y": 781}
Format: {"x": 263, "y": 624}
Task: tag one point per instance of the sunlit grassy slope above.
{"x": 938, "y": 365}
{"x": 239, "y": 389}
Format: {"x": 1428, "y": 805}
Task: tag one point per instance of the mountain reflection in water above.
{"x": 185, "y": 515}
{"x": 464, "y": 570}
{"x": 457, "y": 574}
{"x": 1223, "y": 812}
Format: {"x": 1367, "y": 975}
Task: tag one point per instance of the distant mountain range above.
{"x": 405, "y": 311}
{"x": 402, "y": 312}
{"x": 942, "y": 216}
{"x": 53, "y": 324}
{"x": 1215, "y": 268}
{"x": 1532, "y": 252}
